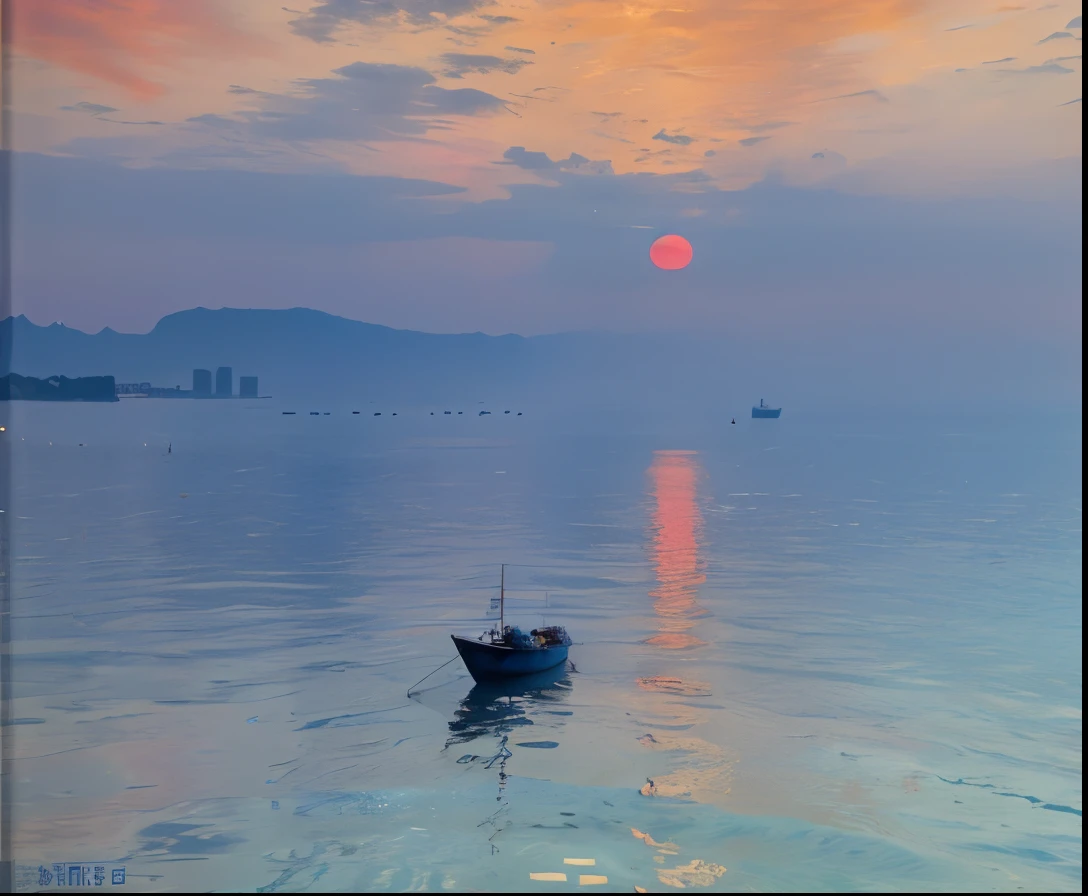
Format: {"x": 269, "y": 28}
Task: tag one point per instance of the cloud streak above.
{"x": 457, "y": 65}
{"x": 1049, "y": 68}
{"x": 678, "y": 139}
{"x": 362, "y": 101}
{"x": 540, "y": 161}
{"x": 323, "y": 21}
{"x": 89, "y": 108}
{"x": 99, "y": 112}
{"x": 873, "y": 94}
{"x": 768, "y": 126}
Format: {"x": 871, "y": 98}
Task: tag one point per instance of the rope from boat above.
{"x": 429, "y": 674}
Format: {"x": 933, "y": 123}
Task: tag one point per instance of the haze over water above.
{"x": 814, "y": 653}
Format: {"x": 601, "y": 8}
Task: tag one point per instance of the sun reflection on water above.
{"x": 700, "y": 769}
{"x": 677, "y": 526}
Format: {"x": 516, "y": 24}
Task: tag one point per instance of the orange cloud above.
{"x": 779, "y": 47}
{"x": 117, "y": 40}
{"x": 697, "y": 71}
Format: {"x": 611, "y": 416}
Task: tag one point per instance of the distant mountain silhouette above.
{"x": 56, "y": 388}
{"x": 302, "y": 351}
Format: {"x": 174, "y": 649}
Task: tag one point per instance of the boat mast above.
{"x": 502, "y": 598}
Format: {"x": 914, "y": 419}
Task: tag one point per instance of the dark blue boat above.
{"x": 765, "y": 413}
{"x": 508, "y": 652}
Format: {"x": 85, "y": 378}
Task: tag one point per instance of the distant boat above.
{"x": 484, "y": 413}
{"x": 765, "y": 412}
{"x": 508, "y": 652}
{"x": 288, "y": 412}
{"x": 355, "y": 412}
{"x": 447, "y": 412}
{"x": 315, "y": 413}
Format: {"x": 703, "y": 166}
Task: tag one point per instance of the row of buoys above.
{"x": 379, "y": 413}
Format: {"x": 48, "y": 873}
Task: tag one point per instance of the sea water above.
{"x": 815, "y": 653}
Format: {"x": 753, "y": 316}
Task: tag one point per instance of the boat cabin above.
{"x": 538, "y": 638}
{"x": 550, "y": 636}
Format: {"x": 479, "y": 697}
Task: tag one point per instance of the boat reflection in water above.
{"x": 494, "y": 710}
{"x": 498, "y": 708}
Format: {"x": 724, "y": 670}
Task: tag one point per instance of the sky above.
{"x": 844, "y": 169}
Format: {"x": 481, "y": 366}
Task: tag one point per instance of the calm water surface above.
{"x": 810, "y": 654}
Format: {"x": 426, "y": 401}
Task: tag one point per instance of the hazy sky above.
{"x": 840, "y": 166}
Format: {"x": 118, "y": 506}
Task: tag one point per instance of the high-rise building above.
{"x": 202, "y": 382}
{"x": 224, "y": 382}
{"x": 247, "y": 387}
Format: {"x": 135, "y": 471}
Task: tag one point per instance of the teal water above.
{"x": 812, "y": 653}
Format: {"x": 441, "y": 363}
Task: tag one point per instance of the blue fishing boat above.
{"x": 764, "y": 412}
{"x": 508, "y": 652}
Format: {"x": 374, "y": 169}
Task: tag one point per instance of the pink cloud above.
{"x": 120, "y": 41}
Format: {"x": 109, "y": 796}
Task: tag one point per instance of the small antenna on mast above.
{"x": 502, "y": 598}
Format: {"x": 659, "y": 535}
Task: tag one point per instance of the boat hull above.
{"x": 493, "y": 662}
{"x": 766, "y": 413}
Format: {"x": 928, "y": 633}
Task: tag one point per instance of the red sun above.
{"x": 671, "y": 252}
